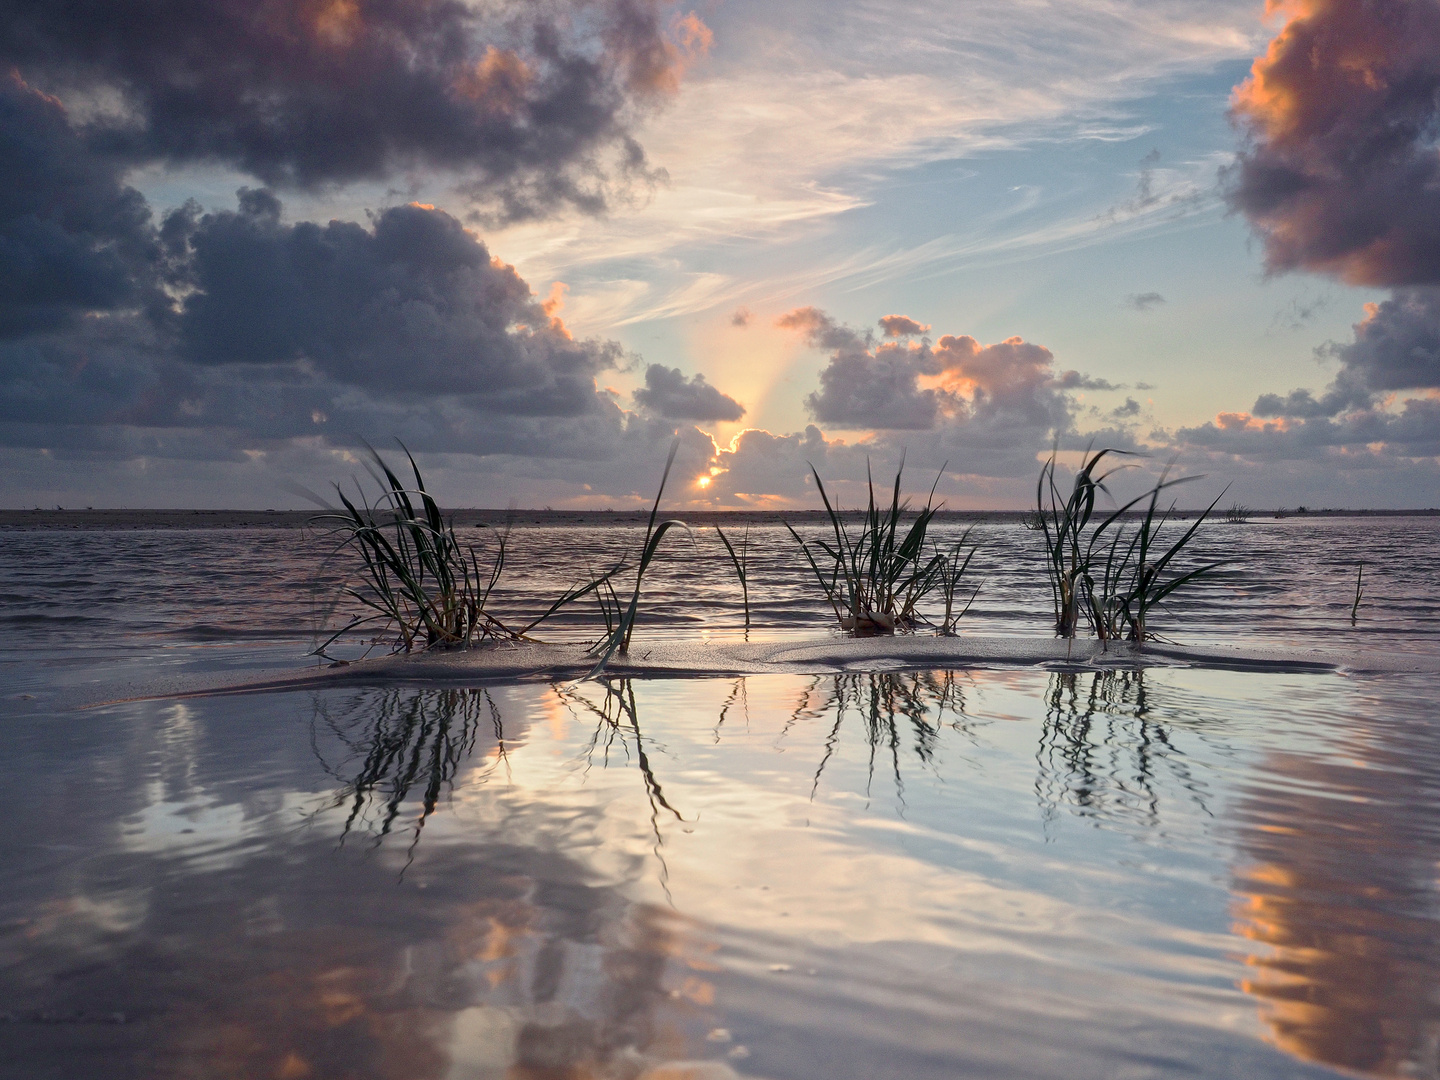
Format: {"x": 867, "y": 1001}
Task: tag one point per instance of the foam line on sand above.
{"x": 531, "y": 661}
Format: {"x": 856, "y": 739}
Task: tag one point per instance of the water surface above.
{"x": 1023, "y": 873}
{"x": 1019, "y": 873}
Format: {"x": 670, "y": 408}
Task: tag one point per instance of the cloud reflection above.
{"x": 1335, "y": 890}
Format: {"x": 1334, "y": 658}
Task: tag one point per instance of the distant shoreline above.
{"x": 470, "y": 518}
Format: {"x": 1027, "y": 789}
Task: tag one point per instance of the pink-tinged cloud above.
{"x": 1341, "y": 175}
{"x": 902, "y": 326}
{"x": 915, "y": 386}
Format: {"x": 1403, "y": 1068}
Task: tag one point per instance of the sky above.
{"x": 537, "y": 242}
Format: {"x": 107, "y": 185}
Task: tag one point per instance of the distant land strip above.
{"x": 296, "y": 519}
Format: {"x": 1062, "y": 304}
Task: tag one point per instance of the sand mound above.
{"x": 527, "y": 661}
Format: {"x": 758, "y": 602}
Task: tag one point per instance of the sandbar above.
{"x": 530, "y": 661}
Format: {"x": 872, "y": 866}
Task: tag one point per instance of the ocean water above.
{"x": 1018, "y": 873}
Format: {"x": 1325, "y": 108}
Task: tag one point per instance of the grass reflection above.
{"x": 893, "y": 708}
{"x": 1103, "y": 756}
{"x": 407, "y": 744}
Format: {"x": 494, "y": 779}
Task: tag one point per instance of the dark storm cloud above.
{"x": 413, "y": 305}
{"x": 73, "y": 238}
{"x": 525, "y": 101}
{"x": 1341, "y": 175}
{"x": 669, "y": 394}
{"x": 322, "y": 333}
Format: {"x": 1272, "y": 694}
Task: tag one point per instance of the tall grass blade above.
{"x": 741, "y": 564}
{"x": 617, "y": 639}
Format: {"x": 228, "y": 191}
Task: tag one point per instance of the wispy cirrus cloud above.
{"x": 802, "y": 126}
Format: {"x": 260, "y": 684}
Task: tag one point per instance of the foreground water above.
{"x": 1011, "y": 873}
{"x": 1022, "y": 873}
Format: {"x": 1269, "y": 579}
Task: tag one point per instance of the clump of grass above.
{"x": 1238, "y": 514}
{"x": 875, "y": 577}
{"x": 620, "y": 620}
{"x": 416, "y": 578}
{"x": 741, "y": 562}
{"x": 1033, "y": 521}
{"x": 1110, "y": 574}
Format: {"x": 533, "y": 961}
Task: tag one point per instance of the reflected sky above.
{"x": 1336, "y": 892}
{"x": 1002, "y": 873}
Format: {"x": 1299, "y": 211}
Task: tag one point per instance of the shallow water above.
{"x": 1020, "y": 873}
{"x": 148, "y": 592}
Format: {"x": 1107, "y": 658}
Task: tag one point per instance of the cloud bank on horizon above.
{"x": 182, "y": 354}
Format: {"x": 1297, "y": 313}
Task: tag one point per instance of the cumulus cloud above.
{"x": 1341, "y": 175}
{"x": 1366, "y": 438}
{"x": 865, "y": 385}
{"x": 414, "y": 304}
{"x": 73, "y": 238}
{"x": 1143, "y": 302}
{"x": 285, "y": 332}
{"x": 667, "y": 393}
{"x": 901, "y": 326}
{"x": 918, "y": 386}
{"x": 741, "y": 317}
{"x": 514, "y": 97}
{"x": 1396, "y": 347}
{"x": 233, "y": 335}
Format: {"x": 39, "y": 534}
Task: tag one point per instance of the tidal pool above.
{"x": 1002, "y": 873}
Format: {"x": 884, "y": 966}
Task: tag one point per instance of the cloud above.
{"x": 1365, "y": 438}
{"x": 1341, "y": 174}
{"x": 1073, "y": 380}
{"x": 1396, "y": 347}
{"x": 865, "y": 386}
{"x": 900, "y": 326}
{"x": 1143, "y": 302}
{"x": 1131, "y": 407}
{"x": 413, "y": 305}
{"x": 667, "y": 393}
{"x": 741, "y": 317}
{"x": 517, "y": 99}
{"x": 73, "y": 238}
{"x": 992, "y": 407}
{"x": 1341, "y": 178}
{"x": 291, "y": 332}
